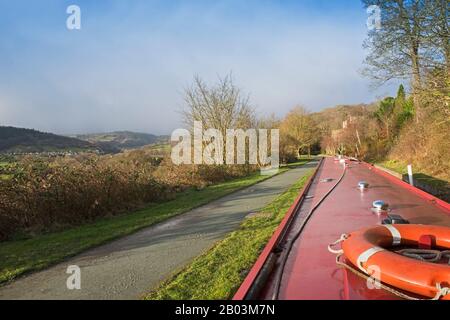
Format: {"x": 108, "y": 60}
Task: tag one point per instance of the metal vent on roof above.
{"x": 380, "y": 205}
{"x": 363, "y": 185}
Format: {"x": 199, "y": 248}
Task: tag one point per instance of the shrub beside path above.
{"x": 131, "y": 266}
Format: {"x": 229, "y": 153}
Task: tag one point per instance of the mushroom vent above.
{"x": 380, "y": 205}
{"x": 363, "y": 185}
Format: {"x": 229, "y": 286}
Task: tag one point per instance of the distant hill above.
{"x": 332, "y": 118}
{"x": 18, "y": 140}
{"x": 123, "y": 139}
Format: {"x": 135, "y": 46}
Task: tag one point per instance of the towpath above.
{"x": 128, "y": 267}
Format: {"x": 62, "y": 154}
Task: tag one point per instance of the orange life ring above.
{"x": 367, "y": 249}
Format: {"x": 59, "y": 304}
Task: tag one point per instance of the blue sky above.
{"x": 127, "y": 67}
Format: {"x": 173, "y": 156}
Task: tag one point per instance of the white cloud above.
{"x": 127, "y": 71}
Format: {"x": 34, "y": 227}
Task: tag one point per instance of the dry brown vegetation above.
{"x": 411, "y": 45}
{"x": 44, "y": 194}
{"x": 393, "y": 129}
{"x": 425, "y": 140}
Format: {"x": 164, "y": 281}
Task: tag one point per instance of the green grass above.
{"x": 4, "y": 164}
{"x": 297, "y": 163}
{"x": 218, "y": 273}
{"x": 20, "y": 256}
{"x": 161, "y": 146}
{"x": 401, "y": 168}
{"x": 395, "y": 166}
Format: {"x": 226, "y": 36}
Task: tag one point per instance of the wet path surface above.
{"x": 128, "y": 267}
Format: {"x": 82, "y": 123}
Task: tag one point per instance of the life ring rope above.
{"x": 441, "y": 291}
{"x": 425, "y": 255}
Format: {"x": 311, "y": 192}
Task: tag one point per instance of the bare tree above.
{"x": 413, "y": 41}
{"x": 221, "y": 106}
{"x": 436, "y": 38}
{"x": 394, "y": 49}
{"x": 298, "y": 131}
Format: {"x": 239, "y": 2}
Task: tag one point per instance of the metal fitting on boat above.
{"x": 380, "y": 205}
{"x": 362, "y": 185}
{"x": 394, "y": 219}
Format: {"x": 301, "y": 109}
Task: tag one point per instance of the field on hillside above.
{"x": 123, "y": 140}
{"x": 4, "y": 166}
{"x": 20, "y": 141}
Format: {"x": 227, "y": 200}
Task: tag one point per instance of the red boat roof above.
{"x": 311, "y": 271}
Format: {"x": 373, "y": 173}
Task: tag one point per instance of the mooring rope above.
{"x": 290, "y": 244}
{"x": 341, "y": 239}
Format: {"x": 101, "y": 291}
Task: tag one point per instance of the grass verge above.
{"x": 4, "y": 165}
{"x": 298, "y": 163}
{"x": 401, "y": 168}
{"x": 218, "y": 273}
{"x": 21, "y": 256}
